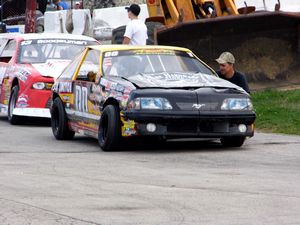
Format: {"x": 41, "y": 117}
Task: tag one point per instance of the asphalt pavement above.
{"x": 45, "y": 181}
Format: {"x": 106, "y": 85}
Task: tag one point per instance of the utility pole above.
{"x": 30, "y": 18}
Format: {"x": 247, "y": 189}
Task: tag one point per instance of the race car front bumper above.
{"x": 32, "y": 112}
{"x": 193, "y": 125}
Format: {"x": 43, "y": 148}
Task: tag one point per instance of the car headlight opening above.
{"x": 42, "y": 86}
{"x": 150, "y": 103}
{"x": 237, "y": 104}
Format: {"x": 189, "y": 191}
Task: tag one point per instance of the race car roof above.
{"x": 31, "y": 36}
{"x": 132, "y": 47}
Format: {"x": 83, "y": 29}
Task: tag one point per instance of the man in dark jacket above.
{"x": 226, "y": 61}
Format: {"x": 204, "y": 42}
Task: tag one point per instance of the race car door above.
{"x": 85, "y": 90}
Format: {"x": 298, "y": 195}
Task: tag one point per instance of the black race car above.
{"x": 114, "y": 92}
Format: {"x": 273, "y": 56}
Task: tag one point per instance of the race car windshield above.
{"x": 39, "y": 51}
{"x": 149, "y": 61}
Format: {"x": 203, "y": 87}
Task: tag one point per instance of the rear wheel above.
{"x": 59, "y": 121}
{"x": 13, "y": 119}
{"x": 233, "y": 141}
{"x": 109, "y": 135}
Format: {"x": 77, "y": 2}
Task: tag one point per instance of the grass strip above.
{"x": 277, "y": 111}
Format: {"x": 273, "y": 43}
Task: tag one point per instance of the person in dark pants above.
{"x": 227, "y": 72}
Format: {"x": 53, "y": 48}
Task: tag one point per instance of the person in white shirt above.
{"x": 136, "y": 30}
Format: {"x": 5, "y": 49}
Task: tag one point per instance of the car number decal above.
{"x": 81, "y": 97}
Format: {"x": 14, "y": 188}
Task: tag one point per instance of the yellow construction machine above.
{"x": 170, "y": 12}
{"x": 266, "y": 43}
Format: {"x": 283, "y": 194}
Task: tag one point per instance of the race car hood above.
{"x": 180, "y": 80}
{"x": 51, "y": 68}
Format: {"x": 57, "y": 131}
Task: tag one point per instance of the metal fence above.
{"x": 11, "y": 8}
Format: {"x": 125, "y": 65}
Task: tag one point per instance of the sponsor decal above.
{"x": 6, "y": 82}
{"x": 65, "y": 87}
{"x": 91, "y": 126}
{"x": 122, "y": 100}
{"x": 28, "y": 42}
{"x": 96, "y": 98}
{"x": 103, "y": 82}
{"x": 127, "y": 91}
{"x": 22, "y": 101}
{"x": 61, "y": 41}
{"x": 107, "y": 62}
{"x": 67, "y": 98}
{"x": 128, "y": 132}
{"x": 2, "y": 73}
{"x": 165, "y": 79}
{"x": 96, "y": 89}
{"x": 154, "y": 52}
{"x": 120, "y": 88}
{"x": 128, "y": 128}
{"x": 110, "y": 54}
{"x": 94, "y": 108}
{"x": 175, "y": 76}
{"x": 23, "y": 74}
{"x": 89, "y": 129}
{"x": 113, "y": 86}
{"x": 108, "y": 84}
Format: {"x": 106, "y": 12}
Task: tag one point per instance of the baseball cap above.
{"x": 134, "y": 8}
{"x": 226, "y": 57}
{"x": 77, "y": 3}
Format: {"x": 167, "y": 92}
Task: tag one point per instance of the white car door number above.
{"x": 81, "y": 99}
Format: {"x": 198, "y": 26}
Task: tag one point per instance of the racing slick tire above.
{"x": 13, "y": 119}
{"x": 59, "y": 121}
{"x": 109, "y": 135}
{"x": 233, "y": 141}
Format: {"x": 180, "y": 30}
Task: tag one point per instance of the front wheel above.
{"x": 109, "y": 135}
{"x": 59, "y": 121}
{"x": 233, "y": 141}
{"x": 13, "y": 119}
